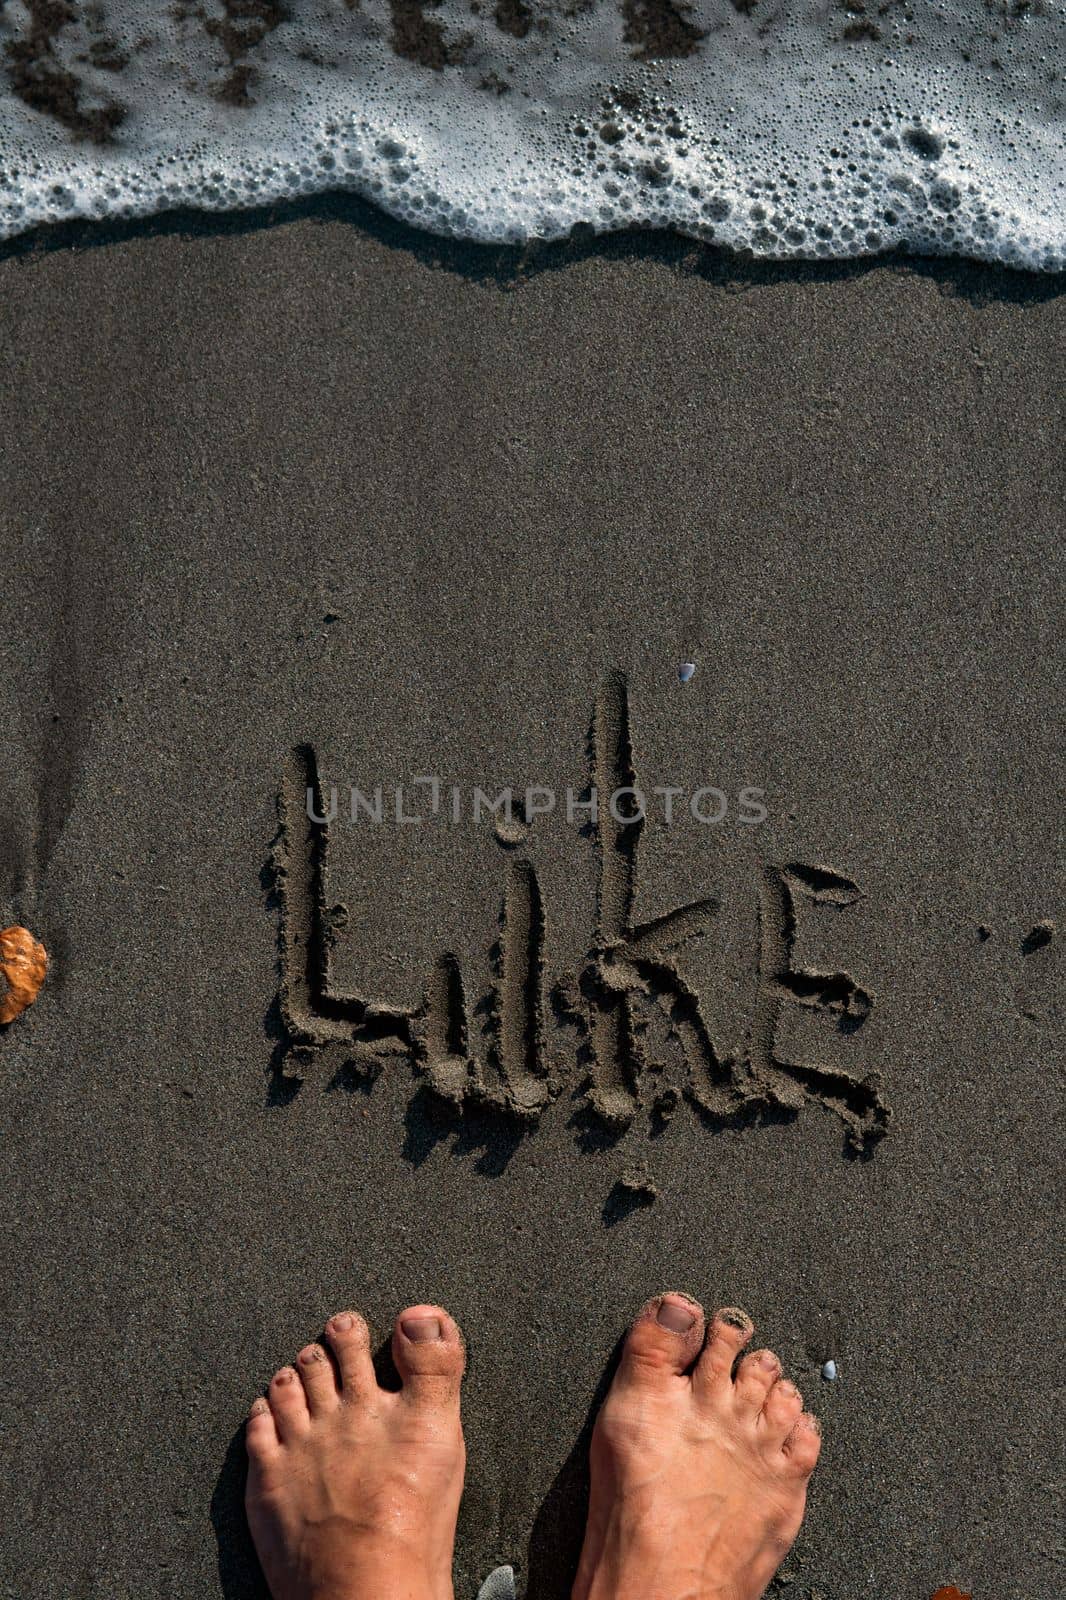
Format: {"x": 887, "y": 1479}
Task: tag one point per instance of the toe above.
{"x": 727, "y": 1335}
{"x": 260, "y": 1434}
{"x": 756, "y": 1376}
{"x": 429, "y": 1353}
{"x": 320, "y": 1384}
{"x": 780, "y": 1413}
{"x": 288, "y": 1403}
{"x": 349, "y": 1339}
{"x": 664, "y": 1340}
{"x": 803, "y": 1444}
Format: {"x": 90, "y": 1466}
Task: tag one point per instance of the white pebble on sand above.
{"x": 686, "y": 670}
{"x": 829, "y": 1371}
{"x": 499, "y": 1585}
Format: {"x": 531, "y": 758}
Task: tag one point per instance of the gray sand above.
{"x": 313, "y": 485}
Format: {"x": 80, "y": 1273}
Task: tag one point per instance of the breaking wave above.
{"x": 828, "y": 128}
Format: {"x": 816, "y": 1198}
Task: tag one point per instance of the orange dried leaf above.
{"x": 949, "y": 1592}
{"x": 23, "y": 964}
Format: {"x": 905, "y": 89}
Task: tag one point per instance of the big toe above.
{"x": 429, "y": 1353}
{"x": 663, "y": 1341}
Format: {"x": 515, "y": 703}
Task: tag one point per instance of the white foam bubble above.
{"x": 840, "y": 128}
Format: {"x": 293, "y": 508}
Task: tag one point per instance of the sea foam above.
{"x": 827, "y": 128}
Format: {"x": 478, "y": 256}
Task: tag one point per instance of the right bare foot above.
{"x": 353, "y": 1491}
{"x": 699, "y": 1480}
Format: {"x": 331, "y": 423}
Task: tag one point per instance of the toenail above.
{"x": 314, "y": 1354}
{"x": 675, "y": 1318}
{"x": 734, "y": 1318}
{"x": 344, "y": 1322}
{"x": 768, "y": 1360}
{"x": 258, "y": 1407}
{"x": 786, "y": 1386}
{"x": 284, "y": 1377}
{"x": 420, "y": 1330}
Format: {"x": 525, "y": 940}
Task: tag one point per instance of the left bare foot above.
{"x": 353, "y": 1492}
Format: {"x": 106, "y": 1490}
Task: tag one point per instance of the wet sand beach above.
{"x": 305, "y": 499}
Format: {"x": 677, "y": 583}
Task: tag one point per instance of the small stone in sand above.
{"x": 829, "y": 1371}
{"x": 499, "y": 1585}
{"x": 686, "y": 670}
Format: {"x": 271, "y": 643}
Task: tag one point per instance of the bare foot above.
{"x": 353, "y": 1492}
{"x": 698, "y": 1479}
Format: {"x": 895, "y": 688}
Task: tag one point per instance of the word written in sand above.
{"x": 630, "y": 977}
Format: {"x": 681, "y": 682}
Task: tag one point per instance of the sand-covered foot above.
{"x": 353, "y": 1491}
{"x": 699, "y": 1478}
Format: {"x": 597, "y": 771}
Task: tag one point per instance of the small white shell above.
{"x": 686, "y": 670}
{"x": 829, "y": 1371}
